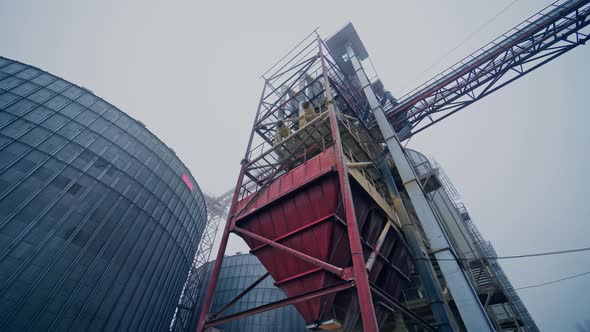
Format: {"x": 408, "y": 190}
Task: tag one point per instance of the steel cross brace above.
{"x": 281, "y": 303}
{"x": 312, "y": 260}
{"x": 241, "y": 295}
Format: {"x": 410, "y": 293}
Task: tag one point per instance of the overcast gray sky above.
{"x": 190, "y": 71}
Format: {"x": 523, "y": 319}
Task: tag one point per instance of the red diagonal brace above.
{"x": 274, "y": 305}
{"x": 378, "y": 245}
{"x": 312, "y": 260}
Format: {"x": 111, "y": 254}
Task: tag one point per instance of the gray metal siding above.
{"x": 97, "y": 229}
{"x": 237, "y": 273}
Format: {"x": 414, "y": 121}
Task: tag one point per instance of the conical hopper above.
{"x": 302, "y": 210}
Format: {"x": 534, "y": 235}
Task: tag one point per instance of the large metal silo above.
{"x": 99, "y": 220}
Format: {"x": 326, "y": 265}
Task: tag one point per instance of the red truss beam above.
{"x": 326, "y": 266}
{"x": 543, "y": 37}
{"x": 281, "y": 303}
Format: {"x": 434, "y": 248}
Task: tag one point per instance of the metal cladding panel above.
{"x": 297, "y": 210}
{"x": 98, "y": 220}
{"x": 292, "y": 181}
{"x": 302, "y": 210}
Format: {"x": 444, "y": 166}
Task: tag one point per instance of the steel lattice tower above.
{"x": 217, "y": 209}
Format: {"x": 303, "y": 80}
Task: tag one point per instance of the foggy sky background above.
{"x": 190, "y": 71}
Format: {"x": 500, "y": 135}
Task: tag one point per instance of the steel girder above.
{"x": 543, "y": 37}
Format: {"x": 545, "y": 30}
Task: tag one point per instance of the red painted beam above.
{"x": 312, "y": 260}
{"x": 295, "y": 231}
{"x": 359, "y": 270}
{"x": 210, "y": 292}
{"x": 278, "y": 304}
{"x": 297, "y": 276}
{"x": 377, "y": 247}
{"x": 241, "y": 295}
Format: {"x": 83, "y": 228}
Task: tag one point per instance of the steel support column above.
{"x": 438, "y": 305}
{"x": 472, "y": 312}
{"x": 206, "y": 309}
{"x": 361, "y": 276}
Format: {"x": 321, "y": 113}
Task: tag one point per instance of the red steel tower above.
{"x": 326, "y": 197}
{"x": 311, "y": 201}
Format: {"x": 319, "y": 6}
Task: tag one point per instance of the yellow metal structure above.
{"x": 283, "y": 132}
{"x": 306, "y": 113}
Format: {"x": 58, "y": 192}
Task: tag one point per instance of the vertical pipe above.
{"x": 438, "y": 306}
{"x": 205, "y": 310}
{"x": 472, "y": 312}
{"x": 358, "y": 261}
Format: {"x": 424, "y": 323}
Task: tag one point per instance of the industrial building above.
{"x": 99, "y": 220}
{"x": 360, "y": 233}
{"x": 103, "y": 228}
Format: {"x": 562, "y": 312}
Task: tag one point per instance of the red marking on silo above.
{"x": 187, "y": 181}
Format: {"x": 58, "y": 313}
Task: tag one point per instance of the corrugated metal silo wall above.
{"x": 237, "y": 273}
{"x": 98, "y": 225}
